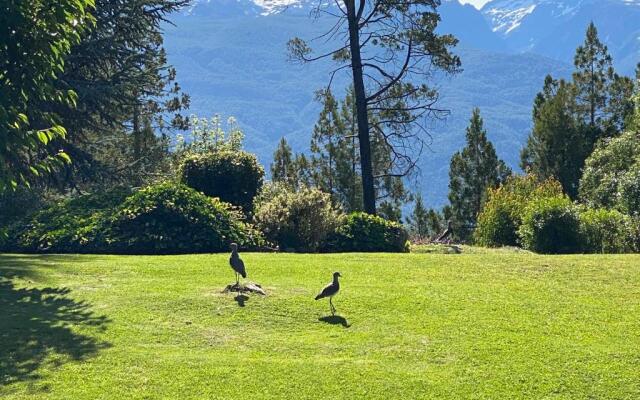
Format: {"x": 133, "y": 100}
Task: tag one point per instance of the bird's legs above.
{"x": 333, "y": 309}
{"x": 237, "y": 280}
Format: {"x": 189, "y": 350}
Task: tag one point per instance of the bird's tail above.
{"x": 318, "y": 297}
{"x": 244, "y": 275}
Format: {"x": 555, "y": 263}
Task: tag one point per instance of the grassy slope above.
{"x": 483, "y": 326}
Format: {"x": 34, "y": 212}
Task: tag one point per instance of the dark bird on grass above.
{"x": 446, "y": 234}
{"x": 236, "y": 263}
{"x": 331, "y": 290}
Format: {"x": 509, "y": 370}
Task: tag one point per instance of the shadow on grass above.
{"x": 38, "y": 322}
{"x": 335, "y": 320}
{"x": 241, "y": 299}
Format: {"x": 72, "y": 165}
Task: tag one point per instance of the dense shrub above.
{"x": 73, "y": 225}
{"x": 606, "y": 231}
{"x": 368, "y": 233}
{"x": 169, "y": 219}
{"x": 233, "y": 176}
{"x": 297, "y": 220}
{"x": 502, "y": 213}
{"x": 551, "y": 225}
{"x": 611, "y": 177}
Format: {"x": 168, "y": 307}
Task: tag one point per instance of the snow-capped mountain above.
{"x": 243, "y": 7}
{"x": 505, "y": 16}
{"x": 555, "y": 27}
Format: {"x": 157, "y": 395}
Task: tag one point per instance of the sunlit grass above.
{"x": 490, "y": 325}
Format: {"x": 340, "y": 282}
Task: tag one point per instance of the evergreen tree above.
{"x": 335, "y": 159}
{"x": 424, "y": 223}
{"x": 392, "y": 49}
{"x": 283, "y": 168}
{"x": 303, "y": 171}
{"x": 326, "y": 146}
{"x": 349, "y": 166}
{"x": 472, "y": 171}
{"x": 602, "y": 96}
{"x": 125, "y": 86}
{"x": 559, "y": 143}
{"x": 570, "y": 118}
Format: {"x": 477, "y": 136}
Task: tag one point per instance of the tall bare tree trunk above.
{"x": 368, "y": 193}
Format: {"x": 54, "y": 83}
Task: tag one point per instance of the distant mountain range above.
{"x": 231, "y": 57}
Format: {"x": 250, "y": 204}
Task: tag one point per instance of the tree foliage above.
{"x": 473, "y": 170}
{"x": 35, "y": 38}
{"x": 391, "y": 49}
{"x": 424, "y": 223}
{"x": 127, "y": 96}
{"x": 569, "y": 118}
{"x": 283, "y": 168}
{"x": 502, "y": 213}
{"x": 559, "y": 142}
{"x": 611, "y": 176}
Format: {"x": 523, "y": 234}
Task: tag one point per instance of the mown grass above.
{"x": 504, "y": 325}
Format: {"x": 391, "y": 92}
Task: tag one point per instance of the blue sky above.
{"x": 476, "y": 3}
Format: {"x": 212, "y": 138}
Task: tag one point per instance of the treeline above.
{"x": 581, "y": 191}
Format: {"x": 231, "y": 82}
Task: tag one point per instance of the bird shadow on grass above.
{"x": 36, "y": 323}
{"x": 335, "y": 320}
{"x": 241, "y": 299}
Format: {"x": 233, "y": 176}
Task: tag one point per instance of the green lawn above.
{"x": 478, "y": 325}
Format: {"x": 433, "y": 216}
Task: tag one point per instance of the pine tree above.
{"x": 335, "y": 160}
{"x": 303, "y": 171}
{"x": 559, "y": 142}
{"x": 602, "y": 96}
{"x": 283, "y": 169}
{"x": 419, "y": 219}
{"x": 472, "y": 171}
{"x": 326, "y": 146}
{"x": 349, "y": 166}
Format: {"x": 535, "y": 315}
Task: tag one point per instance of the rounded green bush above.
{"x": 611, "y": 177}
{"x": 551, "y": 225}
{"x": 606, "y": 231}
{"x": 363, "y": 232}
{"x": 501, "y": 215}
{"x": 233, "y": 176}
{"x": 172, "y": 219}
{"x": 298, "y": 220}
{"x": 70, "y": 226}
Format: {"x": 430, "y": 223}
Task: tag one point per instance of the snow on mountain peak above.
{"x": 271, "y": 6}
{"x": 505, "y": 16}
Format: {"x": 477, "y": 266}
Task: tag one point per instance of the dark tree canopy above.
{"x": 127, "y": 92}
{"x": 392, "y": 51}
{"x": 35, "y": 38}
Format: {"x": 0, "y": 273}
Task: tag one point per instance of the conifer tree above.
{"x": 602, "y": 96}
{"x": 570, "y": 117}
{"x": 283, "y": 168}
{"x": 326, "y": 145}
{"x": 559, "y": 143}
{"x": 335, "y": 159}
{"x": 473, "y": 169}
{"x": 303, "y": 171}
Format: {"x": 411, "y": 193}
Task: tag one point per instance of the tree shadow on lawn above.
{"x": 38, "y": 322}
{"x": 335, "y": 320}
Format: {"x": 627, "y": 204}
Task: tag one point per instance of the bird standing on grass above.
{"x": 331, "y": 290}
{"x": 236, "y": 263}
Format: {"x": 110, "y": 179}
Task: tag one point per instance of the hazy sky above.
{"x": 477, "y": 3}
